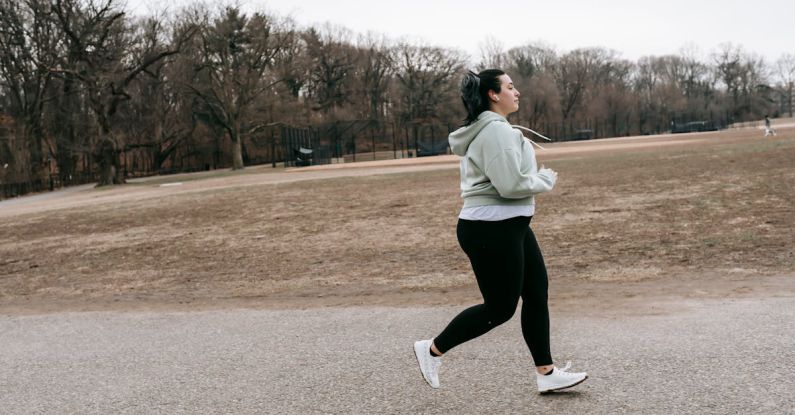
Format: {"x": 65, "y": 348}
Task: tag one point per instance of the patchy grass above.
{"x": 722, "y": 207}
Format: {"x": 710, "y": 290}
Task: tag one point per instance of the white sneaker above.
{"x": 429, "y": 365}
{"x": 559, "y": 379}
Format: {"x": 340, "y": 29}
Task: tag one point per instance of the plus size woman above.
{"x": 499, "y": 179}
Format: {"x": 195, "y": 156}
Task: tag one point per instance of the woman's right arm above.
{"x": 504, "y": 166}
{"x": 504, "y": 171}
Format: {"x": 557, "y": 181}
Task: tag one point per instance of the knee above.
{"x": 501, "y": 313}
{"x": 538, "y": 299}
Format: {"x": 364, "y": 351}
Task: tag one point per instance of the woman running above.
{"x": 499, "y": 178}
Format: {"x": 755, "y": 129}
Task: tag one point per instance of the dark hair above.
{"x": 475, "y": 91}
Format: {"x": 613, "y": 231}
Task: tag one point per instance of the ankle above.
{"x": 545, "y": 370}
{"x": 435, "y": 352}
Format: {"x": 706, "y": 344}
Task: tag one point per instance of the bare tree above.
{"x": 422, "y": 72}
{"x": 27, "y": 47}
{"x": 612, "y": 99}
{"x": 376, "y": 68}
{"x": 425, "y": 86}
{"x": 576, "y": 72}
{"x": 785, "y": 68}
{"x": 332, "y": 61}
{"x": 160, "y": 116}
{"x": 101, "y": 61}
{"x": 692, "y": 76}
{"x": 292, "y": 65}
{"x": 657, "y": 91}
{"x": 531, "y": 59}
{"x": 492, "y": 53}
{"x": 238, "y": 54}
{"x": 731, "y": 70}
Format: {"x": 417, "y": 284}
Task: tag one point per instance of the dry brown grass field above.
{"x": 676, "y": 217}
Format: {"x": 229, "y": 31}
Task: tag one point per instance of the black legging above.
{"x": 508, "y": 264}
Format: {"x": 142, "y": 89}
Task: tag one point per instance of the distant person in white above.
{"x": 768, "y": 129}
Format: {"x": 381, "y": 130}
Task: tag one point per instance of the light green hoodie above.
{"x": 498, "y": 165}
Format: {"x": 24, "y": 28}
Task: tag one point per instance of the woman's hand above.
{"x": 549, "y": 174}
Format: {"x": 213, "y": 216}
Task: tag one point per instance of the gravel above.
{"x": 705, "y": 357}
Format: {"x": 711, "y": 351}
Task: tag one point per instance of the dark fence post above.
{"x": 372, "y": 138}
{"x": 394, "y": 142}
{"x": 627, "y": 126}
{"x": 286, "y": 145}
{"x": 273, "y": 150}
{"x": 433, "y": 140}
{"x": 406, "y": 141}
{"x": 416, "y": 140}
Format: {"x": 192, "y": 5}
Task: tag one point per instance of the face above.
{"x": 507, "y": 101}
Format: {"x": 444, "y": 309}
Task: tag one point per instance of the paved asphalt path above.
{"x": 708, "y": 356}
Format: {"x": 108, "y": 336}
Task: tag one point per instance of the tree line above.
{"x": 83, "y": 82}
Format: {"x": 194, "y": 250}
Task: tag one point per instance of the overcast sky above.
{"x": 634, "y": 28}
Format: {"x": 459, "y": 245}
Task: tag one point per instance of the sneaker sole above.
{"x": 419, "y": 366}
{"x": 564, "y": 387}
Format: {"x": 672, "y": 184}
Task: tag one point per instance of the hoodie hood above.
{"x": 461, "y": 138}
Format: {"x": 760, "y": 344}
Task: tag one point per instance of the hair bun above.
{"x": 470, "y": 90}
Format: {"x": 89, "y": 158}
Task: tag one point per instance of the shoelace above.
{"x": 567, "y": 367}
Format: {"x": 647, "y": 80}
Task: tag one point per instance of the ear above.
{"x": 493, "y": 96}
